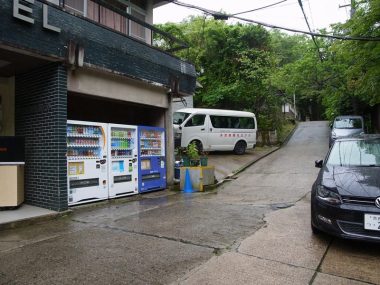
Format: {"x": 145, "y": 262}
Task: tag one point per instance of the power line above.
{"x": 204, "y": 10}
{"x": 376, "y": 39}
{"x": 286, "y": 4}
{"x": 312, "y": 36}
{"x": 311, "y": 14}
{"x": 222, "y": 16}
{"x": 260, "y": 8}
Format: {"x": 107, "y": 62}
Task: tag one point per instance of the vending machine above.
{"x": 152, "y": 161}
{"x": 87, "y": 168}
{"x": 123, "y": 160}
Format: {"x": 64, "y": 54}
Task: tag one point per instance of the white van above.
{"x": 213, "y": 129}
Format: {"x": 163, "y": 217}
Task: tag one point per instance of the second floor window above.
{"x": 78, "y": 6}
{"x": 109, "y": 18}
{"x": 135, "y": 29}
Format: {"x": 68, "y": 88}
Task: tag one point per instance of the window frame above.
{"x": 131, "y": 7}
{"x": 84, "y": 13}
{"x": 56, "y": 2}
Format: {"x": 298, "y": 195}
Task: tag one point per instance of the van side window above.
{"x": 226, "y": 122}
{"x": 196, "y": 120}
{"x": 247, "y": 123}
{"x": 219, "y": 122}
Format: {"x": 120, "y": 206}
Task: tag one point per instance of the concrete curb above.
{"x": 34, "y": 220}
{"x": 286, "y": 140}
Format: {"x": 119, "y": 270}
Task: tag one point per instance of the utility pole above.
{"x": 353, "y": 8}
{"x": 352, "y": 13}
{"x": 294, "y": 103}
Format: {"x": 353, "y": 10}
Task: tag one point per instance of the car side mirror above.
{"x": 180, "y": 127}
{"x": 318, "y": 163}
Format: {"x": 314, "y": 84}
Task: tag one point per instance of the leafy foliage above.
{"x": 348, "y": 79}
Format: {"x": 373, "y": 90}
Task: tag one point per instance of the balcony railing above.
{"x": 122, "y": 19}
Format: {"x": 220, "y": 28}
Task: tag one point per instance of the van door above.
{"x": 195, "y": 128}
{"x": 221, "y": 136}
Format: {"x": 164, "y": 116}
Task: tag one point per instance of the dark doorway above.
{"x": 90, "y": 108}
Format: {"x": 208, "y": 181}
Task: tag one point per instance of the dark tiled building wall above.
{"x": 41, "y": 116}
{"x": 103, "y": 48}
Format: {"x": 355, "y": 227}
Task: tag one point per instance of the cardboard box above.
{"x": 11, "y": 185}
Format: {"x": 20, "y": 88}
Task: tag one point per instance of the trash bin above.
{"x": 177, "y": 170}
{"x": 12, "y": 160}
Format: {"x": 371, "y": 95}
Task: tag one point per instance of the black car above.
{"x": 345, "y": 198}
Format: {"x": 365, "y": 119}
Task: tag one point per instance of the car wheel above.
{"x": 240, "y": 147}
{"x": 315, "y": 230}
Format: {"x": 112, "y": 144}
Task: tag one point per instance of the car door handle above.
{"x": 210, "y": 129}
{"x": 202, "y": 129}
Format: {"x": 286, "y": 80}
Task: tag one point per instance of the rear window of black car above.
{"x": 348, "y": 123}
{"x": 355, "y": 153}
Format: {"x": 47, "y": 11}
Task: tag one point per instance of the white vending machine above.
{"x": 87, "y": 168}
{"x": 123, "y": 160}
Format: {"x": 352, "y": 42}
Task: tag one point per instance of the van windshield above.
{"x": 180, "y": 117}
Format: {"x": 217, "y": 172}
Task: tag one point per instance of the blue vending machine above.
{"x": 152, "y": 160}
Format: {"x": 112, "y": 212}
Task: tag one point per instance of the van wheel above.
{"x": 240, "y": 147}
{"x": 198, "y": 144}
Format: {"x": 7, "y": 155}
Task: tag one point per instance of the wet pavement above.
{"x": 254, "y": 229}
{"x": 28, "y": 214}
{"x": 227, "y": 164}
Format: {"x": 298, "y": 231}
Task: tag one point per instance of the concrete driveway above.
{"x": 227, "y": 163}
{"x": 284, "y": 250}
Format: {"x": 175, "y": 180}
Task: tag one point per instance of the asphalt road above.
{"x": 252, "y": 230}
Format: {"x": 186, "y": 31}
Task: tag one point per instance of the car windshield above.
{"x": 348, "y": 123}
{"x": 355, "y": 153}
{"x": 180, "y": 117}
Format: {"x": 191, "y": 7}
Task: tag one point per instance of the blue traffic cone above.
{"x": 188, "y": 187}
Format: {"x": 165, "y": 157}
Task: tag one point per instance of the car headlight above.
{"x": 328, "y": 195}
{"x": 333, "y": 136}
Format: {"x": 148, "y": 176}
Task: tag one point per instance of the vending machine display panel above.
{"x": 123, "y": 168}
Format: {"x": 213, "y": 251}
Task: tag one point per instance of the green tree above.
{"x": 234, "y": 63}
{"x": 363, "y": 72}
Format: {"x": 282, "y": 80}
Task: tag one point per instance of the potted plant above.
{"x": 192, "y": 152}
{"x": 181, "y": 154}
{"x": 204, "y": 158}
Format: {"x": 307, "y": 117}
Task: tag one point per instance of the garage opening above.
{"x": 90, "y": 108}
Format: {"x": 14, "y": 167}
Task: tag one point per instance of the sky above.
{"x": 320, "y": 13}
